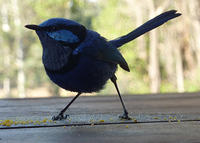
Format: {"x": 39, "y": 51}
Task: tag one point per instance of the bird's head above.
{"x": 64, "y": 31}
{"x": 59, "y": 37}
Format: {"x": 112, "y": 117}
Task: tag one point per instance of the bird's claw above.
{"x": 60, "y": 117}
{"x": 124, "y": 117}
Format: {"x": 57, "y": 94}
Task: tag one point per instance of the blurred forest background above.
{"x": 164, "y": 60}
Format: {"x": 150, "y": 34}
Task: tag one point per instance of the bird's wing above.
{"x": 111, "y": 54}
{"x": 97, "y": 47}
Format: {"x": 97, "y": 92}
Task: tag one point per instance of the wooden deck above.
{"x": 166, "y": 118}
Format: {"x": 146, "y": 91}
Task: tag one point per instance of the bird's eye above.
{"x": 64, "y": 36}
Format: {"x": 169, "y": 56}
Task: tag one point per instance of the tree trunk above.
{"x": 154, "y": 71}
{"x": 18, "y": 45}
{"x": 141, "y": 43}
{"x": 6, "y": 80}
{"x": 179, "y": 70}
{"x": 194, "y": 12}
{"x": 6, "y": 51}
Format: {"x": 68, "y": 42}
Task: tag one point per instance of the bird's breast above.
{"x": 90, "y": 75}
{"x": 56, "y": 58}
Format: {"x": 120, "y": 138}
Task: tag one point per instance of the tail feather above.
{"x": 149, "y": 25}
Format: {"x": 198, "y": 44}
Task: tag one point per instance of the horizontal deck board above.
{"x": 156, "y": 118}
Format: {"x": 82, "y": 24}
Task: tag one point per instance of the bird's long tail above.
{"x": 149, "y": 25}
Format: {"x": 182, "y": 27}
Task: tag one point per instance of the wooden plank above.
{"x": 137, "y": 133}
{"x": 143, "y": 108}
{"x": 163, "y": 103}
{"x": 152, "y": 113}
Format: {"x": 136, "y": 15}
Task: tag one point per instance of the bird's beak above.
{"x": 33, "y": 27}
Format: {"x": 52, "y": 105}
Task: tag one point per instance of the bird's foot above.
{"x": 124, "y": 117}
{"x": 60, "y": 117}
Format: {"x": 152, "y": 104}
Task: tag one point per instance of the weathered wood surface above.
{"x": 160, "y": 118}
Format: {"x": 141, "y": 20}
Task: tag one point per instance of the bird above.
{"x": 80, "y": 60}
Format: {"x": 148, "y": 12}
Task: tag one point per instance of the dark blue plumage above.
{"x": 87, "y": 73}
{"x": 81, "y": 60}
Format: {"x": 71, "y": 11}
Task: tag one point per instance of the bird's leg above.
{"x": 61, "y": 116}
{"x": 125, "y": 115}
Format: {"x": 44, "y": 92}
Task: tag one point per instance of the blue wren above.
{"x": 81, "y": 60}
